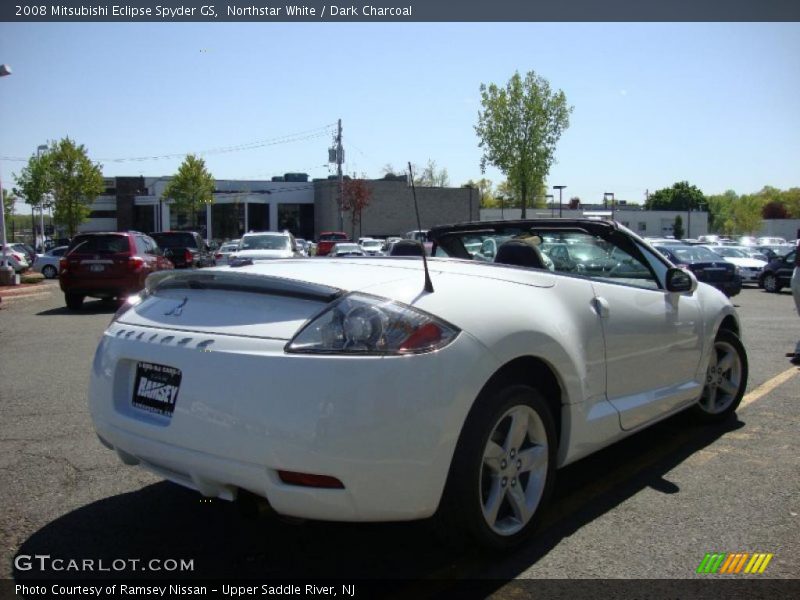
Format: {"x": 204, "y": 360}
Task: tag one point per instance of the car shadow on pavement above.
{"x": 165, "y": 521}
{"x": 90, "y": 307}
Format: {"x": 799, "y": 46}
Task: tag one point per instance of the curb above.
{"x": 8, "y": 294}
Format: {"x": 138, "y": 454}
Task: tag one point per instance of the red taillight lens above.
{"x": 135, "y": 263}
{"x": 309, "y": 480}
{"x": 188, "y": 256}
{"x": 62, "y": 265}
{"x": 218, "y": 256}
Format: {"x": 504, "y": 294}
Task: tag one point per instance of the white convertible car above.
{"x": 352, "y": 390}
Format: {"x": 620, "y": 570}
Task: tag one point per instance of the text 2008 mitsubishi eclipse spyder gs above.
{"x": 343, "y": 390}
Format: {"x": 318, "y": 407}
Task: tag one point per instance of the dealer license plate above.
{"x": 156, "y": 388}
{"x": 97, "y": 268}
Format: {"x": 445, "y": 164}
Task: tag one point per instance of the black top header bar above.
{"x": 398, "y": 10}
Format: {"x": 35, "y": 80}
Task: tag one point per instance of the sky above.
{"x": 716, "y": 104}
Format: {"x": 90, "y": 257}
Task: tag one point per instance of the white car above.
{"x": 750, "y": 269}
{"x": 264, "y": 245}
{"x": 343, "y": 249}
{"x": 48, "y": 263}
{"x": 371, "y": 247}
{"x": 16, "y": 260}
{"x": 225, "y": 250}
{"x": 357, "y": 390}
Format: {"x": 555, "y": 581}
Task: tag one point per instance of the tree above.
{"x": 33, "y": 181}
{"x": 719, "y": 212}
{"x": 681, "y": 196}
{"x": 519, "y": 128}
{"x": 791, "y": 199}
{"x": 746, "y": 215}
{"x": 192, "y": 188}
{"x": 483, "y": 192}
{"x": 430, "y": 175}
{"x": 356, "y": 195}
{"x": 677, "y": 228}
{"x": 774, "y": 210}
{"x": 8, "y": 206}
{"x": 66, "y": 171}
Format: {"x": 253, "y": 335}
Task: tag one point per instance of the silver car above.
{"x": 48, "y": 263}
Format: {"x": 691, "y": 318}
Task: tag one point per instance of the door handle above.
{"x": 601, "y": 307}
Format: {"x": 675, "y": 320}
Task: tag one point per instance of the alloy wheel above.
{"x": 514, "y": 470}
{"x": 723, "y": 378}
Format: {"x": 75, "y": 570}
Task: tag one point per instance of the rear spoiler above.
{"x": 240, "y": 282}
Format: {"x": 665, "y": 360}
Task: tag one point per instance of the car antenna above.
{"x": 428, "y": 282}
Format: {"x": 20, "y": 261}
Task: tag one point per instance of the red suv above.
{"x": 108, "y": 265}
{"x": 328, "y": 239}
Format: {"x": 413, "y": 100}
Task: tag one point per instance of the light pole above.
{"x": 560, "y": 188}
{"x": 6, "y": 272}
{"x": 39, "y": 149}
{"x": 552, "y": 204}
{"x": 605, "y": 196}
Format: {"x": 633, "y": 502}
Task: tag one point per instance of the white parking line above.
{"x": 766, "y": 387}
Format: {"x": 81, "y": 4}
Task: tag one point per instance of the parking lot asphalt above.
{"x": 648, "y": 507}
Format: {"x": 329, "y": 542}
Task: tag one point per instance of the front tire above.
{"x": 726, "y": 379}
{"x": 49, "y": 271}
{"x": 503, "y": 469}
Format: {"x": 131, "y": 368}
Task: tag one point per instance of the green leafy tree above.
{"x": 746, "y": 215}
{"x": 791, "y": 200}
{"x": 681, "y": 196}
{"x": 192, "y": 188}
{"x": 34, "y": 181}
{"x": 483, "y": 192}
{"x": 519, "y": 126}
{"x": 677, "y": 228}
{"x": 9, "y": 198}
{"x": 74, "y": 181}
{"x": 720, "y": 207}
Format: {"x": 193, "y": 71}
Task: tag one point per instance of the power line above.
{"x": 299, "y": 136}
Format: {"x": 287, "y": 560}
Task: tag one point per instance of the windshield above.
{"x": 347, "y": 248}
{"x": 174, "y": 240}
{"x": 265, "y": 242}
{"x": 731, "y": 252}
{"x": 101, "y": 244}
{"x": 332, "y": 236}
{"x": 372, "y": 243}
{"x": 695, "y": 253}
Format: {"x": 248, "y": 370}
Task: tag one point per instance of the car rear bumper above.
{"x": 729, "y": 288}
{"x": 388, "y": 437}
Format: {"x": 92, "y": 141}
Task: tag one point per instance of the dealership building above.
{"x": 306, "y": 208}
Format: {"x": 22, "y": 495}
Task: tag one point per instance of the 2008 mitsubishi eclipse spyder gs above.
{"x": 361, "y": 390}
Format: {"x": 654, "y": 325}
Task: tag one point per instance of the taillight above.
{"x": 218, "y": 256}
{"x": 135, "y": 263}
{"x": 62, "y": 265}
{"x": 188, "y": 256}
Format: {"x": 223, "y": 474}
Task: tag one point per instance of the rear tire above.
{"x": 74, "y": 301}
{"x": 726, "y": 379}
{"x": 770, "y": 283}
{"x": 49, "y": 271}
{"x": 502, "y": 471}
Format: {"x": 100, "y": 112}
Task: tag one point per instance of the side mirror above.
{"x": 681, "y": 280}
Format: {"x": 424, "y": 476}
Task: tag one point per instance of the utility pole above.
{"x": 339, "y": 160}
